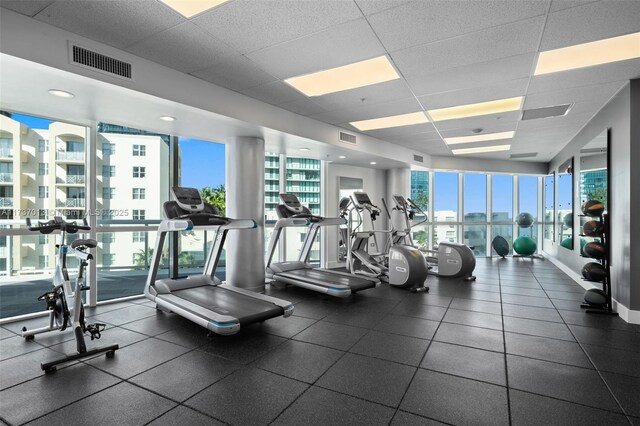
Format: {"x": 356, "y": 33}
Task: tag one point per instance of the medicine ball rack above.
{"x": 607, "y": 307}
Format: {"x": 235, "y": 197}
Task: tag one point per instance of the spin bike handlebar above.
{"x": 58, "y": 223}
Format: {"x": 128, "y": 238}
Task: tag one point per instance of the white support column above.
{"x": 398, "y": 182}
{"x": 91, "y": 196}
{"x": 245, "y": 200}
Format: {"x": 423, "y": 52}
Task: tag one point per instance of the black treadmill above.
{"x": 300, "y": 273}
{"x": 204, "y": 299}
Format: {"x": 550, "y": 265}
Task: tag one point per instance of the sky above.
{"x": 202, "y": 163}
{"x": 32, "y": 122}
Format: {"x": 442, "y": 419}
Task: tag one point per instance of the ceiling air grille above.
{"x": 346, "y": 137}
{"x": 99, "y": 62}
{"x": 546, "y": 112}
{"x": 418, "y": 158}
{"x": 525, "y": 155}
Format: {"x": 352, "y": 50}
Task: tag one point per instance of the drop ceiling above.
{"x": 448, "y": 53}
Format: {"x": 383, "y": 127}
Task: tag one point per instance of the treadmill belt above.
{"x": 226, "y": 302}
{"x": 328, "y": 279}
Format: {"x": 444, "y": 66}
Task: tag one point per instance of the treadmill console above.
{"x": 188, "y": 199}
{"x": 401, "y": 202}
{"x": 362, "y": 199}
{"x": 291, "y": 202}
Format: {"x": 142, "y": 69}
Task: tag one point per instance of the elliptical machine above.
{"x": 400, "y": 265}
{"x": 64, "y": 302}
{"x": 453, "y": 260}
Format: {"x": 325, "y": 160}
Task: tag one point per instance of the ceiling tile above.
{"x": 367, "y": 110}
{"x": 249, "y": 25}
{"x": 421, "y": 22}
{"x": 473, "y": 76}
{"x": 304, "y": 107}
{"x": 29, "y": 8}
{"x": 340, "y": 45}
{"x": 569, "y": 120}
{"x": 274, "y": 93}
{"x": 237, "y": 73}
{"x": 504, "y": 90}
{"x": 184, "y": 47}
{"x": 618, "y": 71}
{"x": 590, "y": 22}
{"x": 369, "y": 7}
{"x": 481, "y": 46}
{"x": 490, "y": 123}
{"x": 118, "y": 23}
{"x": 557, "y": 5}
{"x": 375, "y": 93}
{"x": 399, "y": 131}
{"x": 597, "y": 93}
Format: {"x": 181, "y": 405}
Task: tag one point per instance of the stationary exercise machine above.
{"x": 64, "y": 301}
{"x": 399, "y": 264}
{"x": 452, "y": 260}
{"x": 219, "y": 307}
{"x": 292, "y": 213}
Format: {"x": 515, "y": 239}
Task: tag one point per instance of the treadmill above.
{"x": 204, "y": 299}
{"x": 300, "y": 273}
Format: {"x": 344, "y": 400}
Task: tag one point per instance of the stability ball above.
{"x": 567, "y": 243}
{"x": 500, "y": 245}
{"x": 524, "y": 220}
{"x": 525, "y": 246}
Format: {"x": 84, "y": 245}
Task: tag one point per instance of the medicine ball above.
{"x": 595, "y": 297}
{"x": 524, "y": 220}
{"x": 500, "y": 245}
{"x": 593, "y": 228}
{"x": 593, "y": 208}
{"x": 595, "y": 250}
{"x": 593, "y": 271}
{"x": 583, "y": 243}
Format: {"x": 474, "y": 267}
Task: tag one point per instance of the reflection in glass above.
{"x": 549, "y": 206}
{"x": 565, "y": 205}
{"x": 475, "y": 236}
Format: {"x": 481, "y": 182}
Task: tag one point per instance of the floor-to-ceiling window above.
{"x": 445, "y": 207}
{"x": 420, "y": 196}
{"x": 528, "y": 203}
{"x": 475, "y": 212}
{"x": 502, "y": 207}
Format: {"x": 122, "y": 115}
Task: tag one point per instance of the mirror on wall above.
{"x": 565, "y": 204}
{"x": 346, "y": 187}
{"x": 549, "y": 206}
{"x": 594, "y": 176}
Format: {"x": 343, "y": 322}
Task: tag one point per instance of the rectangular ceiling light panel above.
{"x": 588, "y": 54}
{"x": 359, "y": 74}
{"x": 190, "y": 8}
{"x": 391, "y": 121}
{"x": 480, "y": 138}
{"x": 481, "y": 150}
{"x": 473, "y": 110}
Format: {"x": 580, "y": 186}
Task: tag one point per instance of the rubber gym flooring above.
{"x": 511, "y": 348}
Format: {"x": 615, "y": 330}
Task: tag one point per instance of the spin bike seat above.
{"x": 88, "y": 243}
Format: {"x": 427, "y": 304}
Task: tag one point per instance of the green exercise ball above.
{"x": 525, "y": 246}
{"x": 567, "y": 243}
{"x": 583, "y": 243}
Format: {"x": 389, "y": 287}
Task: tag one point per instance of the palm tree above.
{"x": 215, "y": 196}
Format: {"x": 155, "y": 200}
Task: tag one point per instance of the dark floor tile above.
{"x": 16, "y": 346}
{"x": 467, "y": 362}
{"x": 51, "y": 391}
{"x": 387, "y": 292}
{"x": 476, "y": 319}
{"x": 534, "y": 410}
{"x": 456, "y": 400}
{"x": 614, "y": 360}
{"x": 546, "y": 349}
{"x": 569, "y": 383}
{"x": 530, "y": 312}
{"x": 4, "y": 333}
{"x": 534, "y": 292}
{"x": 190, "y": 336}
{"x": 159, "y": 323}
{"x": 626, "y": 389}
{"x": 429, "y": 299}
{"x": 408, "y": 326}
{"x": 481, "y": 338}
{"x": 402, "y": 418}
{"x": 322, "y": 407}
{"x": 185, "y": 416}
{"x": 313, "y": 309}
{"x": 554, "y": 330}
{"x": 372, "y": 379}
{"x": 299, "y": 360}
{"x": 515, "y": 299}
{"x": 243, "y": 347}
{"x": 125, "y": 315}
{"x": 123, "y": 403}
{"x": 25, "y": 367}
{"x": 515, "y": 283}
{"x": 286, "y": 327}
{"x": 355, "y": 317}
{"x": 333, "y": 335}
{"x": 138, "y": 357}
{"x": 442, "y": 291}
{"x": 487, "y": 296}
{"x": 562, "y": 295}
{"x": 110, "y": 336}
{"x": 392, "y": 347}
{"x": 567, "y": 288}
{"x": 635, "y": 421}
{"x": 477, "y": 306}
{"x": 599, "y": 321}
{"x": 183, "y": 377}
{"x": 568, "y": 305}
{"x": 608, "y": 338}
{"x": 429, "y": 312}
{"x": 108, "y": 307}
{"x": 248, "y": 397}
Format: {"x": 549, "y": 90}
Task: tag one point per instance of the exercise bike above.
{"x": 64, "y": 302}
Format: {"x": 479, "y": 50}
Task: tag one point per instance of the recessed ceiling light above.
{"x": 391, "y": 121}
{"x": 305, "y": 149}
{"x": 588, "y": 54}
{"x": 373, "y": 163}
{"x": 479, "y": 138}
{"x": 61, "y": 93}
{"x": 167, "y": 118}
{"x": 189, "y": 8}
{"x": 472, "y": 110}
{"x": 479, "y": 150}
{"x": 358, "y": 74}
{"x": 342, "y": 156}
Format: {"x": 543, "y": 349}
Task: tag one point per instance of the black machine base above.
{"x": 591, "y": 309}
{"x": 51, "y": 366}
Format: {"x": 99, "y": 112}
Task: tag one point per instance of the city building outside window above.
{"x": 139, "y": 172}
{"x": 43, "y": 169}
{"x": 43, "y": 145}
{"x": 138, "y": 193}
{"x": 108, "y": 148}
{"x": 43, "y": 192}
{"x": 108, "y": 193}
{"x": 139, "y": 150}
{"x": 138, "y": 214}
{"x": 108, "y": 171}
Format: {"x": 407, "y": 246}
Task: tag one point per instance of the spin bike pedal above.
{"x": 95, "y": 329}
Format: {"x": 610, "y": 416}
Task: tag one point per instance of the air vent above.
{"x": 525, "y": 155}
{"x": 418, "y": 158}
{"x": 98, "y": 62}
{"x": 593, "y": 151}
{"x": 346, "y": 137}
{"x": 546, "y": 112}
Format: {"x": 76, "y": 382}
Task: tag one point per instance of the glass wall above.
{"x": 528, "y": 203}
{"x": 445, "y": 207}
{"x": 549, "y": 207}
{"x": 475, "y": 212}
{"x": 420, "y": 196}
{"x": 502, "y": 208}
